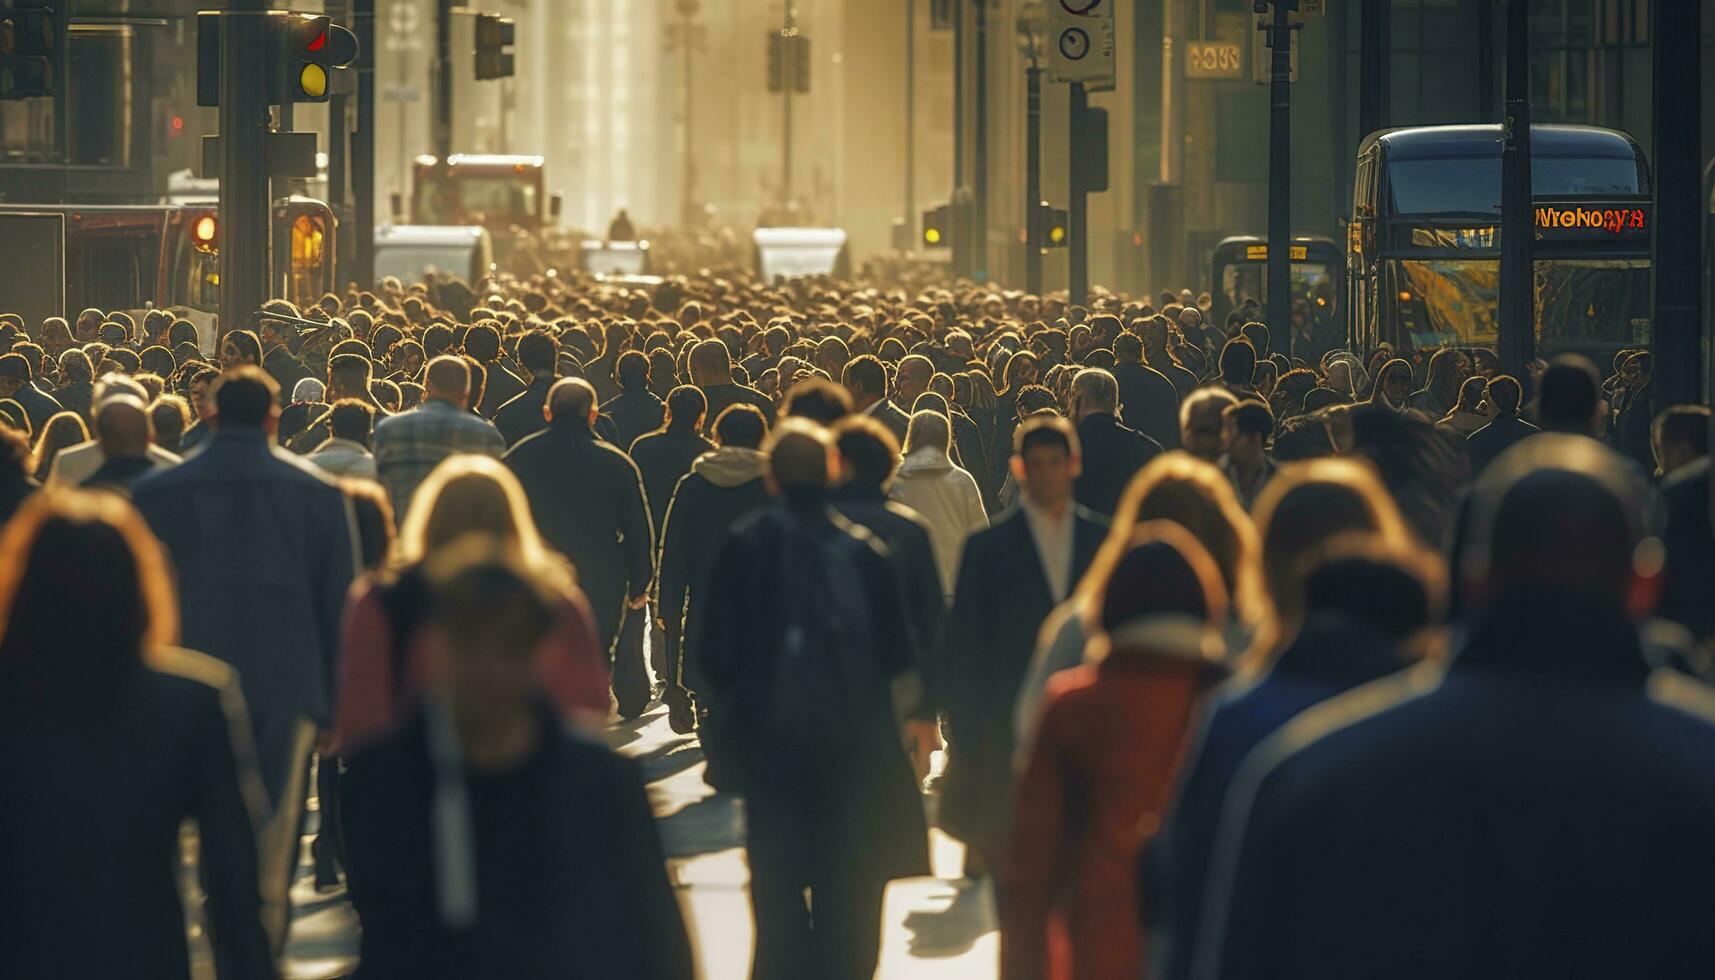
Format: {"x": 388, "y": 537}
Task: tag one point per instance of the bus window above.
{"x": 497, "y": 197}
{"x": 1457, "y": 185}
{"x": 1592, "y": 304}
{"x": 195, "y": 277}
{"x": 1448, "y": 302}
{"x": 309, "y": 278}
{"x": 115, "y": 271}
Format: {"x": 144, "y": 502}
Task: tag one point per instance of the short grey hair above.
{"x": 928, "y": 428}
{"x": 1096, "y": 388}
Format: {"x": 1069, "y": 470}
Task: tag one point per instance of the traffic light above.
{"x": 788, "y": 61}
{"x": 938, "y": 226}
{"x": 308, "y": 49}
{"x": 1056, "y": 225}
{"x": 495, "y": 36}
{"x": 30, "y": 34}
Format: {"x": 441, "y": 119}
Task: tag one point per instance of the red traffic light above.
{"x": 319, "y": 40}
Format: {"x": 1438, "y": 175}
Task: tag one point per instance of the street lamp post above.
{"x": 1030, "y": 20}
{"x": 687, "y": 37}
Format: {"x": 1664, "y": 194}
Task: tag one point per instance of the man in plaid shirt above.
{"x": 410, "y": 445}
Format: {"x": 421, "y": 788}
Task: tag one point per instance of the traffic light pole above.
{"x": 363, "y": 147}
{"x": 243, "y": 230}
{"x": 1677, "y": 315}
{"x": 1033, "y": 180}
{"x": 1280, "y": 184}
{"x": 787, "y": 75}
{"x": 1517, "y": 320}
{"x": 443, "y": 79}
{"x": 1078, "y": 208}
{"x": 979, "y": 223}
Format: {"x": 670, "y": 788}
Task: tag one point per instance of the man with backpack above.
{"x": 802, "y": 641}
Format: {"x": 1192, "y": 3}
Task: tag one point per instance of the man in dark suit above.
{"x": 1505, "y": 428}
{"x": 1148, "y": 401}
{"x": 482, "y": 342}
{"x": 588, "y": 501}
{"x": 263, "y": 547}
{"x": 522, "y": 415}
{"x": 866, "y": 380}
{"x": 1113, "y": 452}
{"x": 1539, "y": 807}
{"x": 635, "y": 410}
{"x": 1010, "y": 578}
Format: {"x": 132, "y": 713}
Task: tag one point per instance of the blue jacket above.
{"x": 264, "y": 552}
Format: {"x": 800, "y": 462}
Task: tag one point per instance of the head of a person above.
{"x": 632, "y": 370}
{"x": 482, "y": 342}
{"x": 686, "y": 406}
{"x": 912, "y": 378}
{"x": 1502, "y": 396}
{"x": 1094, "y": 392}
{"x": 710, "y": 364}
{"x": 169, "y": 416}
{"x": 15, "y": 373}
{"x": 1393, "y": 383}
{"x": 537, "y": 353}
{"x": 1448, "y": 369}
{"x": 1162, "y": 594}
{"x": 1359, "y": 579}
{"x": 75, "y": 367}
{"x": 1247, "y": 427}
{"x": 352, "y": 419}
{"x": 122, "y": 427}
{"x": 244, "y": 399}
{"x": 468, "y": 494}
{"x": 238, "y": 348}
{"x": 448, "y": 380}
{"x": 65, "y": 429}
{"x": 865, "y": 379}
{"x": 489, "y": 612}
{"x": 1198, "y": 497}
{"x": 1569, "y": 396}
{"x": 869, "y": 454}
{"x": 801, "y": 461}
{"x": 573, "y": 402}
{"x": 1471, "y": 394}
{"x": 1679, "y": 436}
{"x": 1256, "y": 333}
{"x": 1556, "y": 524}
{"x": 349, "y": 376}
{"x": 741, "y": 426}
{"x": 1303, "y": 508}
{"x": 1202, "y": 422}
{"x": 1046, "y": 460}
{"x": 929, "y": 430}
{"x": 1238, "y": 363}
{"x": 64, "y": 553}
{"x": 819, "y": 400}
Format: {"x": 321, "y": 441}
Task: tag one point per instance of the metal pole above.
{"x": 1078, "y": 207}
{"x": 961, "y": 245}
{"x": 339, "y": 161}
{"x": 1373, "y": 49}
{"x": 1676, "y": 248}
{"x": 911, "y": 119}
{"x": 980, "y": 179}
{"x": 363, "y": 146}
{"x": 1280, "y": 185}
{"x": 688, "y": 38}
{"x": 1033, "y": 180}
{"x": 1517, "y": 316}
{"x": 788, "y": 73}
{"x": 243, "y": 163}
{"x": 443, "y": 79}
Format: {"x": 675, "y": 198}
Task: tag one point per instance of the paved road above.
{"x": 933, "y": 928}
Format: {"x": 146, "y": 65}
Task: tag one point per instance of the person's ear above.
{"x": 1018, "y": 469}
{"x": 1077, "y": 465}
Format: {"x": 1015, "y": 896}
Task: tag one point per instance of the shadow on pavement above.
{"x": 954, "y": 930}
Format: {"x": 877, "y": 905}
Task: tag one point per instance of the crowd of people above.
{"x": 1223, "y": 655}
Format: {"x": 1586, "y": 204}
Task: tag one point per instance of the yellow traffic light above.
{"x": 313, "y": 80}
{"x": 932, "y": 235}
{"x": 1056, "y": 234}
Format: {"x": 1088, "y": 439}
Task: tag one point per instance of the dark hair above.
{"x": 1034, "y": 398}
{"x": 351, "y": 418}
{"x": 168, "y": 416}
{"x": 352, "y": 370}
{"x": 865, "y": 371}
{"x": 244, "y": 396}
{"x": 1238, "y": 362}
{"x": 1686, "y": 425}
{"x": 14, "y": 367}
{"x": 741, "y": 425}
{"x": 1471, "y": 393}
{"x": 869, "y": 448}
{"x": 157, "y": 360}
{"x": 818, "y": 400}
{"x": 1045, "y": 430}
{"x": 1369, "y": 586}
{"x": 1570, "y": 391}
{"x": 537, "y": 352}
{"x": 1505, "y": 393}
{"x": 1302, "y": 437}
{"x": 1163, "y": 571}
{"x": 482, "y": 342}
{"x": 246, "y": 343}
{"x": 632, "y": 369}
{"x": 686, "y": 404}
{"x": 1316, "y": 399}
{"x": 1250, "y": 418}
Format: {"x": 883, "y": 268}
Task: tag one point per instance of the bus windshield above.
{"x": 511, "y": 198}
{"x": 1459, "y": 185}
{"x": 1582, "y": 304}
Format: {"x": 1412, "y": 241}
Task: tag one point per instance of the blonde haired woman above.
{"x": 947, "y": 496}
{"x": 384, "y": 663}
{"x": 1191, "y": 493}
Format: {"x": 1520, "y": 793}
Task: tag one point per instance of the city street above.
{"x": 932, "y": 928}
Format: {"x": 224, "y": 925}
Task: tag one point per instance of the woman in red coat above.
{"x": 1101, "y": 770}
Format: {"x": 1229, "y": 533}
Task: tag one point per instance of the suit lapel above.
{"x": 1024, "y": 543}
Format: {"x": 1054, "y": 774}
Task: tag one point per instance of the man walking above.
{"x": 411, "y": 444}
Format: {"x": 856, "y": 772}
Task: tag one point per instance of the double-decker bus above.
{"x": 1423, "y": 252}
{"x": 1239, "y": 274}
